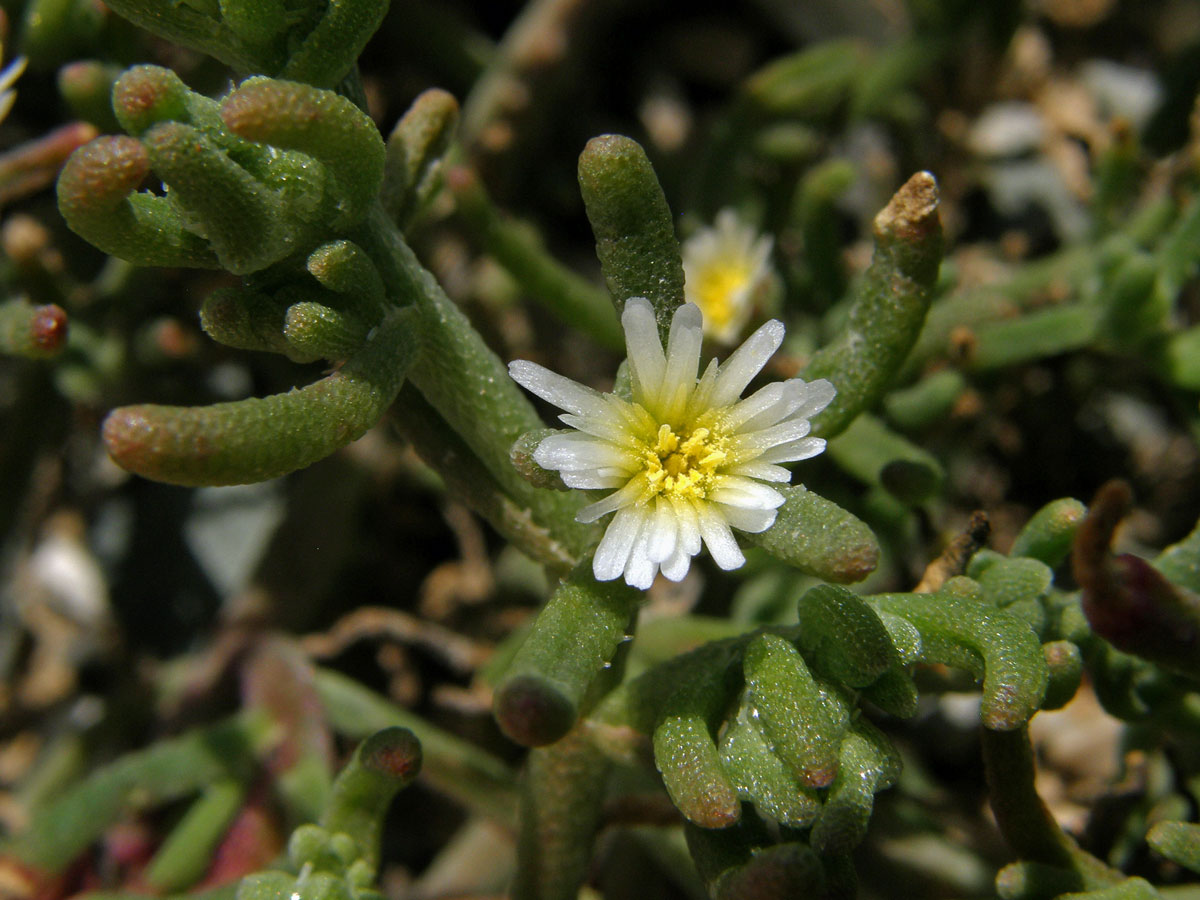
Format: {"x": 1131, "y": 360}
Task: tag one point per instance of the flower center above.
{"x": 684, "y": 466}
{"x": 716, "y": 287}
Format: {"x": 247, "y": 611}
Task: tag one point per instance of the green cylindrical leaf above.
{"x": 468, "y": 478}
{"x": 635, "y": 233}
{"x": 522, "y": 459}
{"x": 1181, "y": 562}
{"x": 760, "y": 775}
{"x": 245, "y": 319}
{"x": 574, "y": 637}
{"x": 256, "y": 439}
{"x": 331, "y": 49}
{"x": 1034, "y": 335}
{"x": 383, "y": 764}
{"x": 1134, "y": 309}
{"x": 867, "y": 763}
{"x": 803, "y": 720}
{"x": 87, "y": 87}
{"x": 470, "y": 775}
{"x": 876, "y": 455}
{"x": 1181, "y": 358}
{"x": 1064, "y": 663}
{"x": 809, "y": 84}
{"x": 1010, "y": 581}
{"x": 843, "y": 638}
{"x": 685, "y": 751}
{"x": 469, "y": 387}
{"x": 146, "y": 95}
{"x": 185, "y": 855}
{"x": 958, "y": 628}
{"x": 1047, "y": 536}
{"x": 1177, "y": 841}
{"x": 242, "y": 219}
{"x": 344, "y": 267}
{"x": 316, "y": 331}
{"x": 183, "y": 23}
{"x": 94, "y": 196}
{"x": 321, "y": 124}
{"x": 889, "y": 308}
{"x": 167, "y": 770}
{"x": 819, "y": 537}
{"x": 894, "y": 692}
{"x": 257, "y": 22}
{"x": 415, "y": 149}
{"x": 930, "y": 400}
{"x": 1035, "y": 881}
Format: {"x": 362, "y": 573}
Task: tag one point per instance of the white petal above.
{"x": 689, "y": 526}
{"x": 793, "y": 396}
{"x": 752, "y": 521}
{"x": 703, "y": 390}
{"x": 745, "y": 492}
{"x": 641, "y": 569}
{"x": 784, "y": 432}
{"x": 575, "y": 452}
{"x": 594, "y": 479}
{"x": 625, "y": 497}
{"x": 683, "y": 361}
{"x": 647, "y": 361}
{"x": 762, "y": 471}
{"x": 763, "y": 402}
{"x": 819, "y": 394}
{"x": 602, "y": 427}
{"x": 718, "y": 538}
{"x": 678, "y": 564}
{"x": 746, "y": 362}
{"x": 557, "y": 389}
{"x": 613, "y": 550}
{"x": 805, "y": 448}
{"x": 663, "y": 531}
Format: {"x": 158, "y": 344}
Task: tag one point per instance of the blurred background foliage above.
{"x": 1062, "y": 351}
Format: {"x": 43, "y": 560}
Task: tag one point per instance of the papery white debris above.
{"x": 687, "y": 460}
{"x": 724, "y": 267}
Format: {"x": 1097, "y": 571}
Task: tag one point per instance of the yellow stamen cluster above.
{"x": 683, "y": 468}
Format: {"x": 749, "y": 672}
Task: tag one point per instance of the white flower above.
{"x": 686, "y": 460}
{"x": 723, "y": 267}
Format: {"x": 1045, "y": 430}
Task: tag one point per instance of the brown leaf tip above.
{"x": 912, "y": 213}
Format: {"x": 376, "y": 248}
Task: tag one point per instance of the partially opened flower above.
{"x": 724, "y": 266}
{"x": 687, "y": 460}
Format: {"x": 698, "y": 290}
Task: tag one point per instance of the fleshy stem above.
{"x": 560, "y": 812}
{"x": 467, "y": 384}
{"x": 1023, "y": 819}
{"x": 467, "y": 478}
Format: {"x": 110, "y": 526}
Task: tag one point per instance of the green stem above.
{"x": 1023, "y": 818}
{"x": 560, "y": 814}
{"x": 468, "y": 385}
